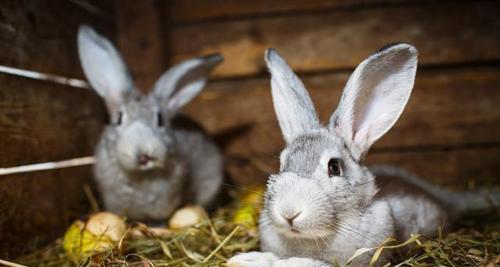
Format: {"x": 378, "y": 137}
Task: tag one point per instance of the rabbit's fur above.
{"x": 324, "y": 204}
{"x": 147, "y": 164}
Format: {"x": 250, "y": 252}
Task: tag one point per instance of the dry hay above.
{"x": 212, "y": 242}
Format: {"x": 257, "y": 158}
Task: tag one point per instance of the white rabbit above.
{"x": 324, "y": 204}
{"x": 149, "y": 159}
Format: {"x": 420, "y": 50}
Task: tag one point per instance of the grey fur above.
{"x": 333, "y": 215}
{"x": 181, "y": 164}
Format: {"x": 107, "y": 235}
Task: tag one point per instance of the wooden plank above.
{"x": 447, "y": 107}
{"x": 40, "y": 35}
{"x": 39, "y": 122}
{"x": 340, "y": 40}
{"x": 37, "y": 207}
{"x": 196, "y": 10}
{"x": 140, "y": 39}
{"x": 42, "y": 121}
{"x": 455, "y": 168}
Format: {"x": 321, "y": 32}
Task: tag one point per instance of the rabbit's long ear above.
{"x": 103, "y": 66}
{"x": 375, "y": 97}
{"x": 292, "y": 104}
{"x": 184, "y": 81}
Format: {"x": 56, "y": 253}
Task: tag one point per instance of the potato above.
{"x": 186, "y": 217}
{"x": 99, "y": 233}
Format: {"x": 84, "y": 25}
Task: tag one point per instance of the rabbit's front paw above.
{"x": 300, "y": 262}
{"x": 252, "y": 259}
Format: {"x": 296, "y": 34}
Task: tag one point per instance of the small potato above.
{"x": 186, "y": 217}
{"x": 99, "y": 233}
{"x": 106, "y": 223}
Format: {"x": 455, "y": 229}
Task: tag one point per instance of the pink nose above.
{"x": 290, "y": 219}
{"x": 143, "y": 159}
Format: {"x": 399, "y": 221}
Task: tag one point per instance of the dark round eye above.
{"x": 119, "y": 118}
{"x": 159, "y": 119}
{"x": 334, "y": 167}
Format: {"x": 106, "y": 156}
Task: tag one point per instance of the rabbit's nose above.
{"x": 143, "y": 159}
{"x": 289, "y": 218}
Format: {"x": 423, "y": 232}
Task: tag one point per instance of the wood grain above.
{"x": 37, "y": 207}
{"x": 195, "y": 10}
{"x": 458, "y": 168}
{"x": 140, "y": 41}
{"x": 42, "y": 121}
{"x": 447, "y": 107}
{"x": 40, "y": 35}
{"x": 444, "y": 33}
{"x": 39, "y": 122}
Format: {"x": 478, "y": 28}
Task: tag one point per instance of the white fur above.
{"x": 253, "y": 259}
{"x": 292, "y": 104}
{"x": 334, "y": 216}
{"x": 375, "y": 97}
{"x": 314, "y": 217}
{"x": 103, "y": 66}
{"x": 185, "y": 80}
{"x": 131, "y": 143}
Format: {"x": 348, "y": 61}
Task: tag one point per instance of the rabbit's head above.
{"x": 139, "y": 135}
{"x": 322, "y": 183}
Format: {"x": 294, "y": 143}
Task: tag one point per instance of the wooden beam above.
{"x": 183, "y": 11}
{"x": 445, "y": 33}
{"x": 447, "y": 107}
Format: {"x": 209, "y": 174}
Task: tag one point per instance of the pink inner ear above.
{"x": 383, "y": 87}
{"x": 113, "y": 100}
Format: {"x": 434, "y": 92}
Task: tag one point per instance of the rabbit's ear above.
{"x": 292, "y": 104}
{"x": 103, "y": 66}
{"x": 184, "y": 81}
{"x": 375, "y": 97}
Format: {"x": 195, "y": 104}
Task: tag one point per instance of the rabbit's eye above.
{"x": 334, "y": 167}
{"x": 159, "y": 119}
{"x": 120, "y": 118}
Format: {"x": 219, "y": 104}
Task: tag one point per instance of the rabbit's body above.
{"x": 396, "y": 208}
{"x": 324, "y": 204}
{"x": 193, "y": 175}
{"x": 413, "y": 209}
{"x": 149, "y": 196}
{"x": 204, "y": 162}
{"x": 150, "y": 160}
{"x": 368, "y": 229}
{"x": 391, "y": 214}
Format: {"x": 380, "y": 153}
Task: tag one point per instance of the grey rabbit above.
{"x": 324, "y": 204}
{"x": 150, "y": 160}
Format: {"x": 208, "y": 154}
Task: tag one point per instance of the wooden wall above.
{"x": 450, "y": 130}
{"x": 43, "y": 121}
{"x": 449, "y": 133}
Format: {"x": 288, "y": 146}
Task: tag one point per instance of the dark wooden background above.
{"x": 42, "y": 121}
{"x": 449, "y": 132}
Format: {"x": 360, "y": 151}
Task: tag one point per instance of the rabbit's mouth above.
{"x": 303, "y": 229}
{"x": 290, "y": 231}
{"x": 296, "y": 232}
{"x": 149, "y": 165}
{"x": 141, "y": 162}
